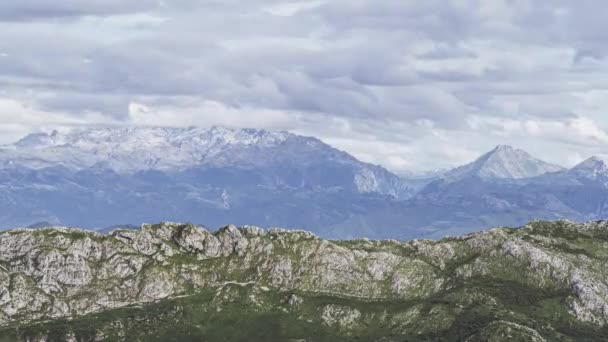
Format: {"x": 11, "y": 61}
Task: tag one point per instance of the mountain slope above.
{"x": 503, "y": 162}
{"x": 285, "y": 158}
{"x": 545, "y": 281}
{"x": 100, "y": 177}
{"x": 508, "y": 187}
{"x": 594, "y": 169}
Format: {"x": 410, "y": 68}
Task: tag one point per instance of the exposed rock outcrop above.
{"x": 58, "y": 272}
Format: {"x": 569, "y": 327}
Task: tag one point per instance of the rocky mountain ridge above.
{"x": 127, "y": 150}
{"x": 130, "y": 150}
{"x": 87, "y": 177}
{"x": 504, "y": 162}
{"x": 593, "y": 168}
{"x": 59, "y": 273}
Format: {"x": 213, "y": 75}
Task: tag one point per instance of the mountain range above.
{"x": 103, "y": 177}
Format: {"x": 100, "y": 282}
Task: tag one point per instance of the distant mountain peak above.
{"x": 594, "y": 167}
{"x": 504, "y": 148}
{"x": 505, "y": 162}
{"x": 33, "y": 140}
{"x": 594, "y": 160}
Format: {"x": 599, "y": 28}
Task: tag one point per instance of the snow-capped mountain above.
{"x": 106, "y": 176}
{"x": 593, "y": 168}
{"x": 102, "y": 177}
{"x": 289, "y": 159}
{"x": 503, "y": 162}
{"x": 128, "y": 150}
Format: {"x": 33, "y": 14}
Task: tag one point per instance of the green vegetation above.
{"x": 499, "y": 285}
{"x": 246, "y": 313}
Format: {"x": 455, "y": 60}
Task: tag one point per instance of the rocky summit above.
{"x": 546, "y": 281}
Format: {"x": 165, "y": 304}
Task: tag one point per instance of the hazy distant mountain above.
{"x": 285, "y": 158}
{"x": 507, "y": 186}
{"x": 503, "y": 162}
{"x": 100, "y": 177}
{"x": 429, "y": 174}
{"x": 39, "y": 225}
{"x": 593, "y": 168}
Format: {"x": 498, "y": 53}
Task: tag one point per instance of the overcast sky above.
{"x": 410, "y": 85}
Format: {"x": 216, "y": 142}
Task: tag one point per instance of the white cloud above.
{"x": 18, "y": 119}
{"x": 208, "y": 113}
{"x": 586, "y": 129}
{"x": 290, "y": 8}
{"x": 410, "y": 85}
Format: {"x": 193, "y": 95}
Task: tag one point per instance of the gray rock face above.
{"x": 59, "y": 272}
{"x": 340, "y": 317}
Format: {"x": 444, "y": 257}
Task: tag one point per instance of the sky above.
{"x": 410, "y": 85}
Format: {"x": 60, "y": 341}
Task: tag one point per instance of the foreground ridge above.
{"x": 544, "y": 281}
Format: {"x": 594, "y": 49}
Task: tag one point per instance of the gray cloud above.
{"x": 46, "y": 9}
{"x": 398, "y": 73}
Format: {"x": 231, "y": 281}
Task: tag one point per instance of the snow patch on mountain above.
{"x": 504, "y": 162}
{"x": 134, "y": 149}
{"x": 281, "y": 155}
{"x": 594, "y": 169}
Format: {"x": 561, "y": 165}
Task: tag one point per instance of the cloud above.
{"x": 410, "y": 84}
{"x": 18, "y": 119}
{"x": 209, "y": 113}
{"x": 44, "y": 9}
